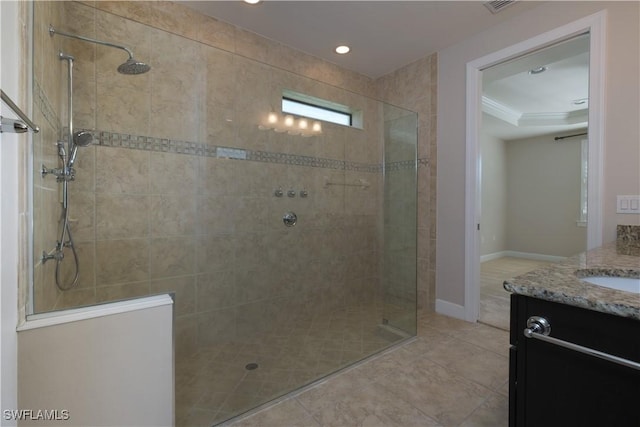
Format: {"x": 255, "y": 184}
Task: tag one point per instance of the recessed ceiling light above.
{"x": 252, "y": 1}
{"x": 538, "y": 70}
{"x": 342, "y": 49}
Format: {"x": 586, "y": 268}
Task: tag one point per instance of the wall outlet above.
{"x": 628, "y": 205}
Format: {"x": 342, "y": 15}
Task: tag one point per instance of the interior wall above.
{"x": 113, "y": 370}
{"x": 543, "y": 194}
{"x": 621, "y": 170}
{"x": 494, "y": 203}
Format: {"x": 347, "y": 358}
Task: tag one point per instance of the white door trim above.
{"x": 595, "y": 25}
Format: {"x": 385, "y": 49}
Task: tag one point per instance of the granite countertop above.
{"x": 561, "y": 282}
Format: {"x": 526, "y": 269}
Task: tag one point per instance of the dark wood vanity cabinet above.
{"x": 551, "y": 386}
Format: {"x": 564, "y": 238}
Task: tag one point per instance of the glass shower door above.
{"x": 400, "y": 220}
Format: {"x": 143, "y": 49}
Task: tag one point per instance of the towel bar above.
{"x": 13, "y": 125}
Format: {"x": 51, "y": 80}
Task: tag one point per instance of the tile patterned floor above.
{"x": 214, "y": 385}
{"x": 454, "y": 373}
{"x": 494, "y": 300}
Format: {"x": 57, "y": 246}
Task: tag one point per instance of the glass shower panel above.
{"x": 399, "y": 270}
{"x": 190, "y": 187}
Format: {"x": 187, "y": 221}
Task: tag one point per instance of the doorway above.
{"x": 534, "y": 116}
{"x": 590, "y": 29}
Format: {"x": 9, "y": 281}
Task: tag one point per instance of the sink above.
{"x": 627, "y": 284}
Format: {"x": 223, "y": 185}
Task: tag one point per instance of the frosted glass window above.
{"x": 304, "y": 109}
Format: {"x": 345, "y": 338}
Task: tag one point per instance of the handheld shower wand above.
{"x": 81, "y": 138}
{"x": 130, "y": 66}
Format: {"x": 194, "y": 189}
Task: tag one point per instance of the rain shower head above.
{"x": 131, "y": 66}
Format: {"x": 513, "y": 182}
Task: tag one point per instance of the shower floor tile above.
{"x": 454, "y": 374}
{"x": 214, "y": 384}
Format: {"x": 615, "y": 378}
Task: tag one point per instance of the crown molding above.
{"x": 517, "y": 118}
{"x": 500, "y": 111}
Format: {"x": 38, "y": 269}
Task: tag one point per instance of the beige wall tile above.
{"x": 216, "y": 214}
{"x": 82, "y": 213}
{"x": 86, "y": 267}
{"x": 186, "y": 334}
{"x": 46, "y": 216}
{"x": 252, "y": 88}
{"x": 121, "y": 292}
{"x": 76, "y": 298}
{"x": 119, "y": 261}
{"x": 122, "y": 216}
{"x": 175, "y": 18}
{"x": 123, "y": 99}
{"x": 216, "y": 290}
{"x": 44, "y": 296}
{"x": 215, "y": 252}
{"x": 176, "y": 87}
{"x": 135, "y": 10}
{"x": 220, "y": 77}
{"x": 172, "y": 257}
{"x": 217, "y": 176}
{"x": 172, "y": 215}
{"x": 216, "y": 327}
{"x": 85, "y": 167}
{"x": 218, "y": 126}
{"x": 124, "y": 107}
{"x": 120, "y": 170}
{"x": 184, "y": 289}
{"x": 173, "y": 173}
{"x": 217, "y": 33}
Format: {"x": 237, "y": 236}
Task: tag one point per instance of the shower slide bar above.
{"x": 364, "y": 184}
{"x": 13, "y": 125}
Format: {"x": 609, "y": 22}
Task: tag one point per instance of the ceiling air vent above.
{"x": 498, "y": 5}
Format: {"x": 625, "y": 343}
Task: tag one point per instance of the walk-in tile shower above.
{"x": 291, "y": 253}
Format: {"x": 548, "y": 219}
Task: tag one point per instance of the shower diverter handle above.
{"x": 289, "y": 219}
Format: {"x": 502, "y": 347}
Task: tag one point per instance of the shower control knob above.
{"x": 278, "y": 192}
{"x": 290, "y": 219}
{"x": 304, "y": 193}
{"x": 291, "y": 193}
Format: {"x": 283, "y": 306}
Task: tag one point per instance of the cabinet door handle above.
{"x": 540, "y": 328}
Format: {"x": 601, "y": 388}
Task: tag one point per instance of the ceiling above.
{"x": 383, "y": 35}
{"x": 518, "y": 104}
{"x": 387, "y": 35}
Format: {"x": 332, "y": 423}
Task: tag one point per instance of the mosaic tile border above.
{"x": 404, "y": 165}
{"x": 163, "y": 145}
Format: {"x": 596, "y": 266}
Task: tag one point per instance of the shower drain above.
{"x": 251, "y": 366}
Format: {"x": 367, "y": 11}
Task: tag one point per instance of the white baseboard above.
{"x": 450, "y": 309}
{"x": 525, "y": 255}
{"x": 491, "y": 257}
